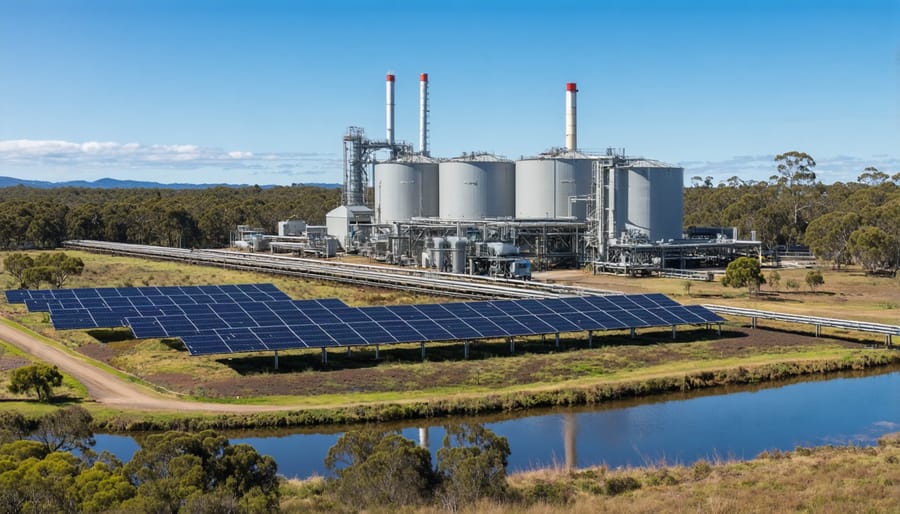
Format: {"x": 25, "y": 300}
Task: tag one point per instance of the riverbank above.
{"x": 823, "y": 480}
{"x": 590, "y": 393}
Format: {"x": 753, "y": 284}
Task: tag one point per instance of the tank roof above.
{"x": 559, "y": 153}
{"x": 648, "y": 163}
{"x": 479, "y": 157}
{"x": 416, "y": 158}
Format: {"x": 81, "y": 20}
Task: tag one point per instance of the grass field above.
{"x": 401, "y": 375}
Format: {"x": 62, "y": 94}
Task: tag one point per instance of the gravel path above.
{"x": 108, "y": 389}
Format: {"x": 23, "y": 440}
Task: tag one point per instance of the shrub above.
{"x": 471, "y": 465}
{"x": 383, "y": 469}
{"x": 620, "y": 484}
{"x": 38, "y": 377}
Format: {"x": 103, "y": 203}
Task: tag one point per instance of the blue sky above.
{"x": 261, "y": 92}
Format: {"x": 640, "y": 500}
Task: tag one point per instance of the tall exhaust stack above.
{"x": 571, "y": 118}
{"x": 423, "y": 114}
{"x": 390, "y": 108}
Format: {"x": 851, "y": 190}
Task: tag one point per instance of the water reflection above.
{"x": 680, "y": 428}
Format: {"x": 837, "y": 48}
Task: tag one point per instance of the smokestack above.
{"x": 390, "y": 108}
{"x": 423, "y": 114}
{"x": 571, "y": 118}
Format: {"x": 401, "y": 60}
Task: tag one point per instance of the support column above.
{"x": 633, "y": 332}
{"x": 377, "y": 355}
{"x": 719, "y": 328}
{"x": 324, "y": 356}
{"x": 557, "y": 340}
{"x": 348, "y": 351}
{"x": 818, "y": 330}
{"x": 590, "y": 338}
{"x": 276, "y": 360}
{"x": 512, "y": 346}
{"x": 422, "y": 344}
{"x": 674, "y": 334}
{"x": 753, "y": 322}
{"x": 466, "y": 350}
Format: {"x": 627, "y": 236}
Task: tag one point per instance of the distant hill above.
{"x": 111, "y": 183}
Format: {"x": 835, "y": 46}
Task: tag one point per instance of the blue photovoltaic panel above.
{"x": 225, "y": 319}
{"x": 194, "y": 294}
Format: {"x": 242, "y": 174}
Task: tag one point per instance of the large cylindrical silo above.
{"x": 406, "y": 188}
{"x": 476, "y": 187}
{"x": 547, "y": 185}
{"x": 649, "y": 200}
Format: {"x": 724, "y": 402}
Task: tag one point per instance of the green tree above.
{"x": 471, "y": 465}
{"x": 101, "y": 488}
{"x": 60, "y": 267}
{"x": 873, "y": 248}
{"x": 38, "y": 377}
{"x": 774, "y": 279}
{"x": 383, "y": 469}
{"x": 814, "y": 279}
{"x": 175, "y": 469}
{"x": 792, "y": 284}
{"x": 828, "y": 236}
{"x": 796, "y": 182}
{"x": 744, "y": 272}
{"x": 66, "y": 430}
{"x": 33, "y": 277}
{"x": 17, "y": 263}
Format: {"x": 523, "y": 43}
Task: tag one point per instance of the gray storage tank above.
{"x": 406, "y": 188}
{"x": 477, "y": 186}
{"x": 546, "y": 184}
{"x": 649, "y": 200}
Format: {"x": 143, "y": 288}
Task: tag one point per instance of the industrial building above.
{"x": 480, "y": 213}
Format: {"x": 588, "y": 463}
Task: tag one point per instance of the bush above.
{"x": 471, "y": 465}
{"x": 814, "y": 279}
{"x": 38, "y": 377}
{"x": 380, "y": 469}
{"x": 620, "y": 484}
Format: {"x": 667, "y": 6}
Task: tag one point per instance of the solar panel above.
{"x": 184, "y": 294}
{"x": 253, "y": 317}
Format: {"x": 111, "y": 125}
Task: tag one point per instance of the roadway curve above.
{"x": 108, "y": 389}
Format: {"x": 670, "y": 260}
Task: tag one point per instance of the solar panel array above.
{"x": 82, "y": 308}
{"x": 260, "y": 317}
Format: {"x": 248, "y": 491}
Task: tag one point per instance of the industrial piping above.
{"x": 571, "y": 119}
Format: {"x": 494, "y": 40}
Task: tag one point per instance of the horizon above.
{"x": 262, "y": 93}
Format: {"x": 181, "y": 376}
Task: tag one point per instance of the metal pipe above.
{"x": 423, "y": 114}
{"x": 571, "y": 118}
{"x": 389, "y": 86}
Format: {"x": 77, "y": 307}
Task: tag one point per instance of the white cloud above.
{"x": 116, "y": 158}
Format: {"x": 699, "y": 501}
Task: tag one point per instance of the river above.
{"x": 674, "y": 429}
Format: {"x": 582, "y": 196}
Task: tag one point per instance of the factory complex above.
{"x": 482, "y": 214}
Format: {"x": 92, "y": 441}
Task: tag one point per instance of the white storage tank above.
{"x": 546, "y": 184}
{"x": 406, "y": 188}
{"x": 649, "y": 200}
{"x": 477, "y": 186}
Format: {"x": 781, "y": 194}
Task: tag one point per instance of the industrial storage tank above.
{"x": 546, "y": 185}
{"x": 406, "y": 188}
{"x": 649, "y": 200}
{"x": 477, "y": 186}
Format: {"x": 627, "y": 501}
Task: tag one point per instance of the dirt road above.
{"x": 108, "y": 389}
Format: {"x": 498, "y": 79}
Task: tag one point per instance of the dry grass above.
{"x": 825, "y": 480}
{"x": 848, "y": 293}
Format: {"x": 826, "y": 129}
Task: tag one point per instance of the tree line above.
{"x": 44, "y": 218}
{"x": 48, "y": 465}
{"x": 842, "y": 223}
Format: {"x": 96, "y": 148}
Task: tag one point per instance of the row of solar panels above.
{"x": 137, "y": 297}
{"x": 229, "y": 326}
